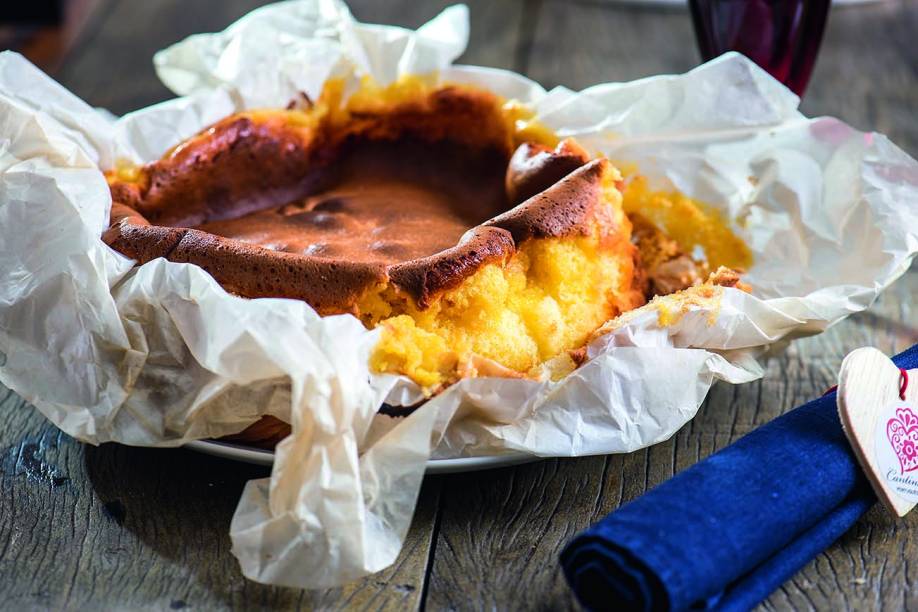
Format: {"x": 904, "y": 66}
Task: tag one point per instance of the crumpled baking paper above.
{"x": 160, "y": 354}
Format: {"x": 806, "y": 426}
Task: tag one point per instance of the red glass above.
{"x": 781, "y": 36}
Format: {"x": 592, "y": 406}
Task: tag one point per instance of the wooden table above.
{"x": 119, "y": 527}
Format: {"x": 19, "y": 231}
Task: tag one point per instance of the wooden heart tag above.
{"x": 879, "y": 413}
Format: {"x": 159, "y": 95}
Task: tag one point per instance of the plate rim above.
{"x": 264, "y": 457}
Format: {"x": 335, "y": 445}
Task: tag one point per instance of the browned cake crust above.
{"x": 415, "y": 196}
{"x": 270, "y": 208}
{"x": 265, "y": 433}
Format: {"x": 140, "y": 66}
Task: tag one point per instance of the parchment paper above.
{"x": 160, "y": 354}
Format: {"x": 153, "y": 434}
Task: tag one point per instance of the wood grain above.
{"x": 137, "y": 527}
{"x": 867, "y": 70}
{"x": 501, "y": 531}
{"x": 114, "y": 66}
{"x": 868, "y": 568}
{"x": 130, "y": 528}
{"x": 625, "y": 42}
{"x": 118, "y": 527}
{"x": 866, "y": 73}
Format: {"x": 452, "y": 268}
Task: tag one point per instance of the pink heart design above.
{"x": 902, "y": 432}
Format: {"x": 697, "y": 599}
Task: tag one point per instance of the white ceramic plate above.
{"x": 257, "y": 456}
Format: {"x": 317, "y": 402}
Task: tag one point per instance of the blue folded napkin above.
{"x": 731, "y": 529}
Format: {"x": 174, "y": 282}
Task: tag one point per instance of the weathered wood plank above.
{"x": 866, "y": 73}
{"x": 82, "y": 526}
{"x": 114, "y": 68}
{"x": 501, "y": 531}
{"x": 581, "y": 44}
{"x": 868, "y": 567}
{"x": 867, "y": 70}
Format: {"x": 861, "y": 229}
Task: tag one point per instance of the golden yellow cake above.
{"x": 480, "y": 244}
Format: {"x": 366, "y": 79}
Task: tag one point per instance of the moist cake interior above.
{"x": 434, "y": 213}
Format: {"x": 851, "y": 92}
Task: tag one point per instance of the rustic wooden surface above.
{"x": 118, "y": 527}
